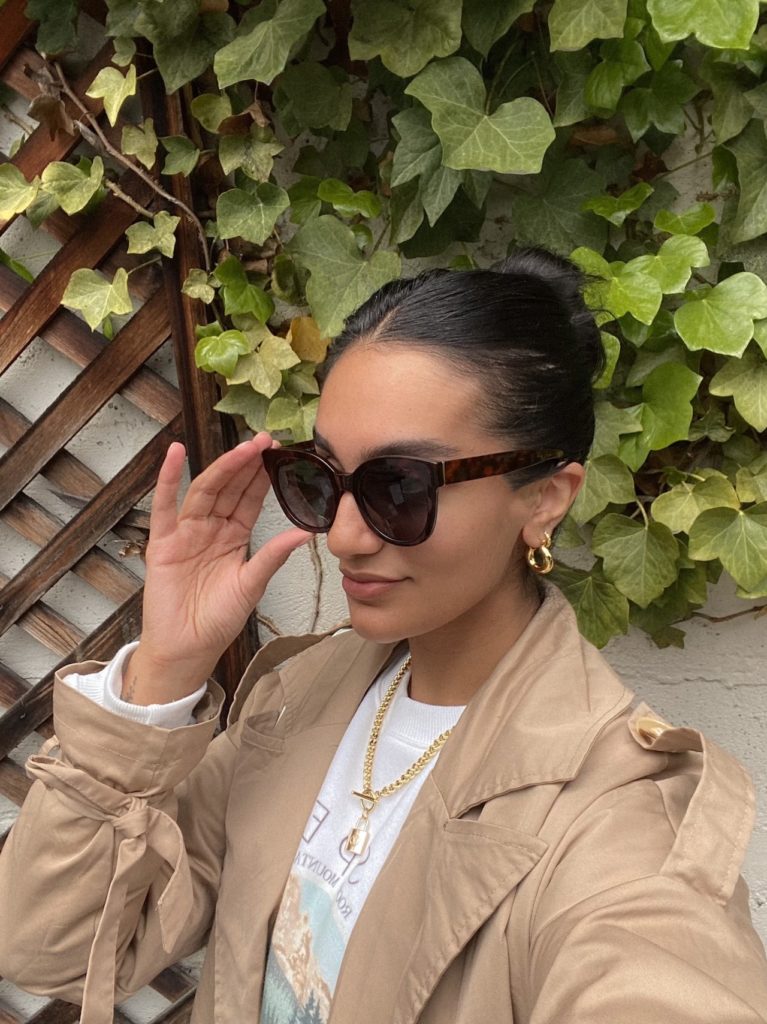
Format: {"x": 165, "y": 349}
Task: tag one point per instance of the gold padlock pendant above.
{"x": 359, "y": 840}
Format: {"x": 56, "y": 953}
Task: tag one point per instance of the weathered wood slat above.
{"x": 6, "y": 1017}
{"x": 34, "y": 707}
{"x": 173, "y": 983}
{"x": 15, "y": 28}
{"x": 49, "y": 628}
{"x": 106, "y": 574}
{"x": 86, "y": 528}
{"x": 14, "y": 783}
{"x": 56, "y": 1012}
{"x": 179, "y": 1013}
{"x": 12, "y": 686}
{"x": 27, "y": 317}
{"x": 140, "y": 337}
{"x": 67, "y": 334}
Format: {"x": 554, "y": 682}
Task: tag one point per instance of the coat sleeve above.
{"x": 645, "y": 918}
{"x": 110, "y": 872}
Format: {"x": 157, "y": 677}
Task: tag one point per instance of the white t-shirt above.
{"x": 327, "y": 886}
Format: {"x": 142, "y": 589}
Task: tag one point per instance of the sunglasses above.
{"x": 396, "y": 494}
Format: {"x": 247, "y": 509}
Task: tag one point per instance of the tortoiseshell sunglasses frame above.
{"x": 452, "y": 471}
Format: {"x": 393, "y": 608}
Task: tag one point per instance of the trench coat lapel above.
{"x": 524, "y": 735}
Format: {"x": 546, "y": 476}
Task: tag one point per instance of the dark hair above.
{"x": 522, "y": 330}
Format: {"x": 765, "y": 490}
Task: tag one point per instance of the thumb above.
{"x": 270, "y": 557}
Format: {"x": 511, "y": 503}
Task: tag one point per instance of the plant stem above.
{"x": 115, "y": 188}
{"x": 757, "y": 610}
{"x": 122, "y": 159}
{"x": 687, "y": 163}
{"x": 644, "y": 515}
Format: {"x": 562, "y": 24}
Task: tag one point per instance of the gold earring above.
{"x": 547, "y": 559}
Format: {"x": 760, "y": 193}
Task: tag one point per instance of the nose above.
{"x": 350, "y": 535}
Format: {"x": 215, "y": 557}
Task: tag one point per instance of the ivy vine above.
{"x": 325, "y": 143}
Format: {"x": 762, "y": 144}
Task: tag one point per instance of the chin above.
{"x": 365, "y": 625}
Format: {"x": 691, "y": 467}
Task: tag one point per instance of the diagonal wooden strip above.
{"x": 179, "y": 1013}
{"x": 6, "y": 1017}
{"x": 14, "y": 783}
{"x": 12, "y": 686}
{"x": 98, "y": 568}
{"x": 57, "y": 1012}
{"x": 173, "y": 983}
{"x": 15, "y": 28}
{"x": 49, "y": 628}
{"x": 35, "y": 706}
{"x": 31, "y": 313}
{"x": 67, "y": 334}
{"x": 86, "y": 528}
{"x": 140, "y": 337}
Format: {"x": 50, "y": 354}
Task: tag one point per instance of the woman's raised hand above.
{"x": 200, "y": 588}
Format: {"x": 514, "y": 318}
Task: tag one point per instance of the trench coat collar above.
{"x": 532, "y": 721}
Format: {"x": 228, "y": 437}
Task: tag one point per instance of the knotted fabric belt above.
{"x": 139, "y": 827}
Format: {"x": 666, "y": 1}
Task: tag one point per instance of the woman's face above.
{"x": 471, "y": 565}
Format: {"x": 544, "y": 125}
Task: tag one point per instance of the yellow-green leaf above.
{"x": 114, "y": 88}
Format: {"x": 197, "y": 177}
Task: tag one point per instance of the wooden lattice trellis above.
{"x": 38, "y": 449}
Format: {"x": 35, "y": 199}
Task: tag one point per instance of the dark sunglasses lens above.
{"x": 306, "y": 492}
{"x": 397, "y": 498}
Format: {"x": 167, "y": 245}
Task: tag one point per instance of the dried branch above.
{"x": 97, "y": 138}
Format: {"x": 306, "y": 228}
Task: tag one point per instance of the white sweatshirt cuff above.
{"x": 105, "y": 686}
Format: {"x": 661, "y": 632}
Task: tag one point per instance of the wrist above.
{"x": 148, "y": 678}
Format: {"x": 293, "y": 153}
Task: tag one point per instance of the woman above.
{"x": 447, "y": 813}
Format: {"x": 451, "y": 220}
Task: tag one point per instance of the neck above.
{"x": 450, "y": 664}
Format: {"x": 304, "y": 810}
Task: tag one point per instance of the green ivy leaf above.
{"x": 571, "y": 71}
{"x": 114, "y": 88}
{"x": 746, "y": 380}
{"x": 484, "y": 23}
{"x": 264, "y": 40}
{"x": 140, "y": 141}
{"x": 608, "y": 481}
{"x": 197, "y": 286}
{"x": 667, "y": 413}
{"x": 419, "y": 151}
{"x": 97, "y": 297}
{"x": 601, "y": 610}
{"x": 552, "y": 214}
{"x": 290, "y": 414}
{"x": 210, "y": 109}
{"x": 612, "y": 350}
{"x": 341, "y": 278}
{"x": 304, "y": 203}
{"x": 406, "y": 211}
{"x": 617, "y": 208}
{"x": 73, "y": 187}
{"x": 182, "y": 155}
{"x": 239, "y": 295}
{"x": 187, "y": 53}
{"x": 624, "y": 288}
{"x": 302, "y": 380}
{"x": 512, "y": 140}
{"x": 622, "y": 63}
{"x": 661, "y": 104}
{"x": 277, "y": 352}
{"x": 611, "y": 422}
{"x": 310, "y": 95}
{"x": 242, "y": 400}
{"x": 751, "y": 480}
{"x": 672, "y": 265}
{"x": 125, "y": 51}
{"x": 574, "y": 23}
{"x": 57, "y": 31}
{"x": 16, "y": 193}
{"x": 17, "y": 267}
{"x": 641, "y": 560}
{"x": 679, "y": 507}
{"x": 251, "y": 216}
{"x": 346, "y": 201}
{"x": 405, "y": 35}
{"x": 219, "y": 353}
{"x": 161, "y": 234}
{"x": 718, "y": 25}
{"x": 690, "y": 222}
{"x": 750, "y": 151}
{"x": 253, "y": 153}
{"x": 731, "y": 110}
{"x": 721, "y": 319}
{"x": 262, "y": 376}
{"x": 738, "y": 538}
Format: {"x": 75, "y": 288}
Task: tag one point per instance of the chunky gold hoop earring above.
{"x": 546, "y": 564}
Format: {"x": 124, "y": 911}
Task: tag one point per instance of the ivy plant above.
{"x": 327, "y": 145}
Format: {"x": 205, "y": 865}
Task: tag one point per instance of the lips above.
{"x": 364, "y": 577}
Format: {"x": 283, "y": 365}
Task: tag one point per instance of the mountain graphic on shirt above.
{"x": 301, "y": 970}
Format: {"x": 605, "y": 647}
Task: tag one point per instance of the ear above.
{"x": 554, "y": 497}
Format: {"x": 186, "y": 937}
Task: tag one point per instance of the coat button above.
{"x": 651, "y": 729}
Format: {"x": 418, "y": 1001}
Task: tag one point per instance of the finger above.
{"x": 162, "y": 517}
{"x": 206, "y": 488}
{"x": 251, "y": 501}
{"x": 271, "y": 556}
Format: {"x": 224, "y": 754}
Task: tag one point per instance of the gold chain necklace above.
{"x": 358, "y": 839}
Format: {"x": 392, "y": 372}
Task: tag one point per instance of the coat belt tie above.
{"x": 137, "y": 826}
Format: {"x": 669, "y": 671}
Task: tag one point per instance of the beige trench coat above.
{"x": 568, "y": 861}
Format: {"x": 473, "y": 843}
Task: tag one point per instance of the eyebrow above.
{"x": 424, "y": 448}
